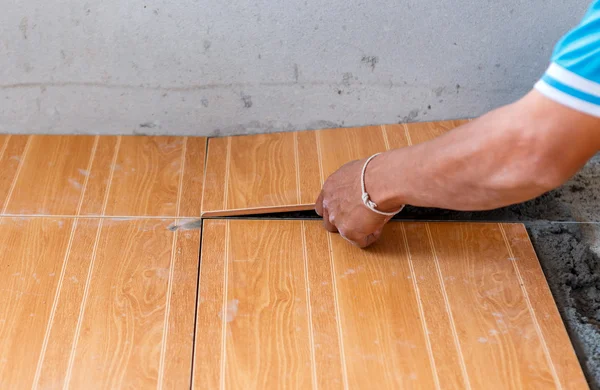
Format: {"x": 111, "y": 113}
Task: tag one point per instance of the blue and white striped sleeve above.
{"x": 573, "y": 77}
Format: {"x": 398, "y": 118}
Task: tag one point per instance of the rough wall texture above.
{"x": 217, "y": 67}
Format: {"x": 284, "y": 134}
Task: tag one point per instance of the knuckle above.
{"x": 349, "y": 234}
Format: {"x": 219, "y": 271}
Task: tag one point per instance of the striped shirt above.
{"x": 573, "y": 77}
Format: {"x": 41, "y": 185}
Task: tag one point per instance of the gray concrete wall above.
{"x": 217, "y": 67}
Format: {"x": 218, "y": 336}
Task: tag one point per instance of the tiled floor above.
{"x": 98, "y": 292}
{"x": 442, "y": 305}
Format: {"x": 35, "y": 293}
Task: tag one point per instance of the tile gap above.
{"x": 193, "y": 362}
{"x": 412, "y": 213}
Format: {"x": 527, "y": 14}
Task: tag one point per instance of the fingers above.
{"x": 371, "y": 239}
{"x": 319, "y": 205}
{"x": 360, "y": 239}
{"x": 327, "y": 222}
{"x": 321, "y": 210}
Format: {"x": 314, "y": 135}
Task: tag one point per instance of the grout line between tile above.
{"x": 63, "y": 270}
{"x": 90, "y": 270}
{"x": 17, "y": 173}
{"x": 448, "y": 309}
{"x": 224, "y": 311}
{"x": 94, "y": 216}
{"x": 309, "y": 308}
{"x": 538, "y": 329}
{"x": 337, "y": 315}
{"x": 297, "y": 165}
{"x": 413, "y": 276}
{"x": 385, "y": 137}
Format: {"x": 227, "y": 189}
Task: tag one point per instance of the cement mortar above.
{"x": 569, "y": 254}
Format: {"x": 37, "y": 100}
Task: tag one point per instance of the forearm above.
{"x": 507, "y": 156}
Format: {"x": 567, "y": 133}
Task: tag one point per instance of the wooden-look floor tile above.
{"x": 380, "y": 319}
{"x": 101, "y": 301}
{"x": 429, "y": 306}
{"x": 70, "y": 175}
{"x": 193, "y": 177}
{"x": 339, "y": 146}
{"x": 178, "y": 342}
{"x": 99, "y": 176}
{"x": 123, "y": 323}
{"x": 11, "y": 154}
{"x": 31, "y": 256}
{"x": 529, "y": 271}
{"x": 65, "y": 301}
{"x": 501, "y": 328}
{"x": 258, "y": 295}
{"x": 326, "y": 337}
{"x": 210, "y": 325}
{"x": 447, "y": 357}
{"x": 285, "y": 171}
{"x": 271, "y": 155}
{"x": 146, "y": 176}
{"x": 49, "y": 178}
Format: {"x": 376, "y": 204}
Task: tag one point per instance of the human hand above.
{"x": 341, "y": 206}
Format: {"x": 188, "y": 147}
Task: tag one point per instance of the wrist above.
{"x": 381, "y": 183}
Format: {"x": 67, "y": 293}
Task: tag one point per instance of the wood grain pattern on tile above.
{"x": 323, "y": 308}
{"x": 32, "y": 251}
{"x": 146, "y": 176}
{"x": 273, "y": 156}
{"x": 499, "y": 329}
{"x": 261, "y": 295}
{"x": 339, "y": 146}
{"x": 96, "y": 300}
{"x": 49, "y": 181}
{"x": 193, "y": 177}
{"x": 120, "y": 329}
{"x": 11, "y": 156}
{"x": 285, "y": 171}
{"x": 178, "y": 339}
{"x": 447, "y": 355}
{"x": 99, "y": 176}
{"x": 208, "y": 349}
{"x": 380, "y": 320}
{"x": 309, "y": 171}
{"x": 69, "y": 175}
{"x": 422, "y": 308}
{"x": 257, "y": 295}
{"x": 65, "y": 304}
{"x": 562, "y": 356}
